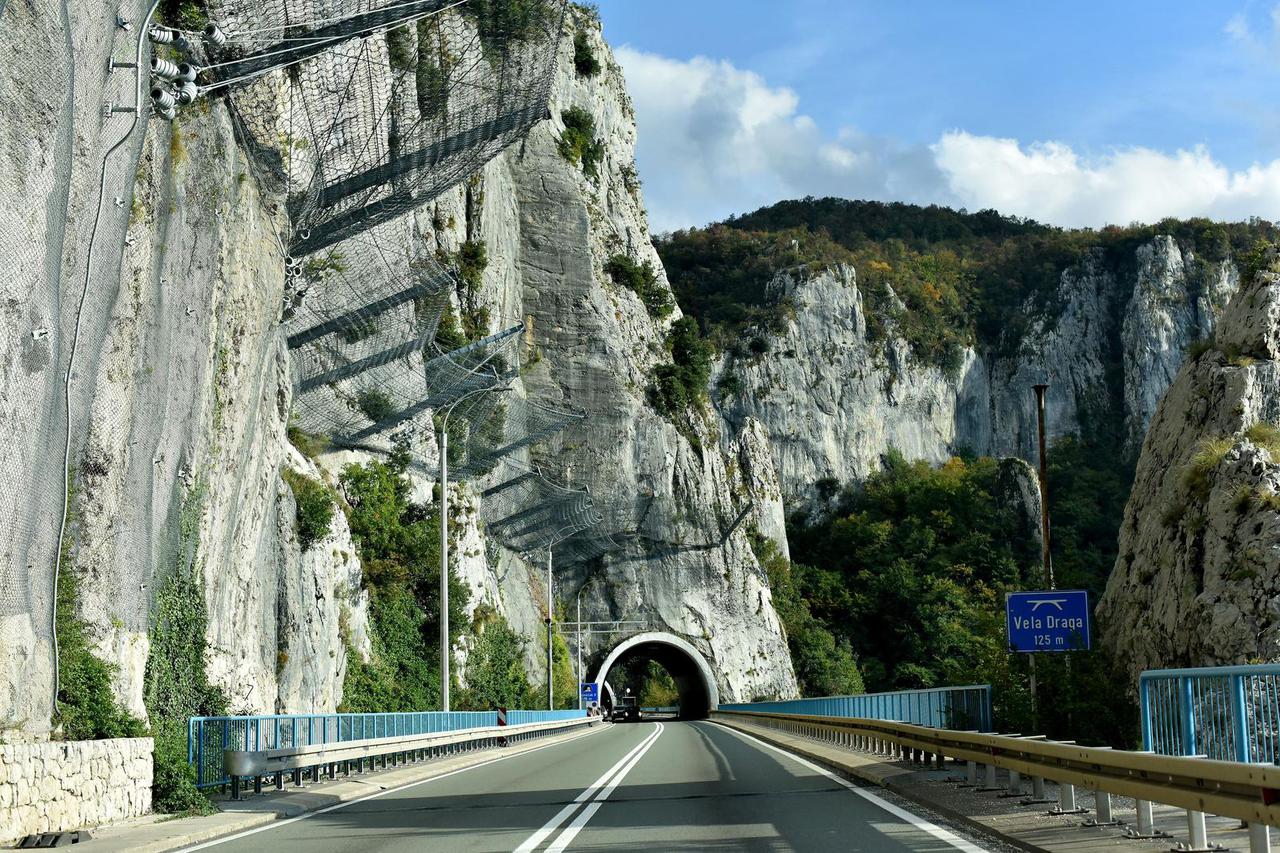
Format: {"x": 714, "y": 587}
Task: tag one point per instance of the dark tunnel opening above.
{"x": 687, "y": 672}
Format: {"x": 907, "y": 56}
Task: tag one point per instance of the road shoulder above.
{"x": 161, "y": 833}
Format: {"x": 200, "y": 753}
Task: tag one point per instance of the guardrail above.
{"x": 1230, "y": 713}
{"x": 967, "y": 707}
{"x": 208, "y": 738}
{"x": 396, "y": 749}
{"x": 1247, "y": 792}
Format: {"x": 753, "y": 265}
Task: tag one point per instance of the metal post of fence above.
{"x": 1239, "y": 718}
{"x": 1259, "y": 838}
{"x": 1144, "y": 705}
{"x": 1187, "y": 701}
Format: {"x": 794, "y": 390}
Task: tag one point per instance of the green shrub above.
{"x": 642, "y": 280}
{"x": 495, "y": 669}
{"x": 313, "y": 507}
{"x": 399, "y": 545}
{"x": 1200, "y": 347}
{"x": 578, "y": 144}
{"x": 823, "y": 665}
{"x": 375, "y": 404}
{"x": 317, "y": 267}
{"x": 87, "y": 708}
{"x": 470, "y": 261}
{"x": 584, "y": 58}
{"x": 502, "y": 22}
{"x": 682, "y": 384}
{"x": 400, "y": 48}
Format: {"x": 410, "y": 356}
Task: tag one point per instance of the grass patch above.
{"x": 1209, "y": 454}
{"x": 1265, "y": 435}
{"x": 309, "y": 444}
{"x": 578, "y": 144}
{"x": 313, "y": 513}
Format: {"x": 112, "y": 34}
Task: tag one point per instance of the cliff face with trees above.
{"x": 887, "y": 352}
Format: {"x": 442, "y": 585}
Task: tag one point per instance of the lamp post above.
{"x": 551, "y": 701}
{"x": 444, "y": 540}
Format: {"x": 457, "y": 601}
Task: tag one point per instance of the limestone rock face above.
{"x": 831, "y": 402}
{"x": 1195, "y": 582}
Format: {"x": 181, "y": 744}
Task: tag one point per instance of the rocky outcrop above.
{"x": 831, "y": 401}
{"x": 1196, "y": 579}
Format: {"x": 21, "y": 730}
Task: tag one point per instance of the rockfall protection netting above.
{"x": 360, "y": 115}
{"x": 363, "y": 111}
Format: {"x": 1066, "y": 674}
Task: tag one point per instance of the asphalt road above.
{"x": 670, "y": 786}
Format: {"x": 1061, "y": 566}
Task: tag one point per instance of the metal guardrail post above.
{"x": 1196, "y": 829}
{"x": 1259, "y": 838}
{"x": 972, "y": 774}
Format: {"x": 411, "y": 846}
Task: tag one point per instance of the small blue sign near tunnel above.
{"x": 590, "y": 692}
{"x": 1055, "y": 620}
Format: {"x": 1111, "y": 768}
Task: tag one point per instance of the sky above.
{"x": 1081, "y": 113}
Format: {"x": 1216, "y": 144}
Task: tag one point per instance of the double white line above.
{"x": 597, "y": 793}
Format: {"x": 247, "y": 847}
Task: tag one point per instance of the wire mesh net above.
{"x": 365, "y": 112}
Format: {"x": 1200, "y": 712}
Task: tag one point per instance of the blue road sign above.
{"x": 1052, "y": 621}
{"x": 590, "y": 692}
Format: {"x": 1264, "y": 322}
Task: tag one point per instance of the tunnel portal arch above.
{"x": 688, "y": 668}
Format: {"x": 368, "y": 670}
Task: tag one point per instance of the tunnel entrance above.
{"x": 695, "y": 683}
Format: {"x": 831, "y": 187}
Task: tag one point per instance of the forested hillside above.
{"x": 906, "y": 570}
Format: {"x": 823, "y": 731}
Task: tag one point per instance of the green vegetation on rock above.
{"x": 941, "y": 279}
{"x": 578, "y": 144}
{"x": 584, "y": 58}
{"x": 313, "y": 507}
{"x": 642, "y": 280}
{"x": 496, "y": 675}
{"x": 681, "y": 384}
{"x": 399, "y": 545}
{"x": 176, "y": 684}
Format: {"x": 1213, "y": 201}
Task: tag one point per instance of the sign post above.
{"x": 1049, "y": 621}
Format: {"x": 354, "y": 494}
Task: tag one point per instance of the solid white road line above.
{"x": 532, "y": 842}
{"x": 277, "y": 824}
{"x": 571, "y": 831}
{"x": 902, "y": 814}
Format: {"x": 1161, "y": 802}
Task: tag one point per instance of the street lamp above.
{"x": 444, "y": 538}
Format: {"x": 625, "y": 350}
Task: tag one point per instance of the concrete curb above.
{"x": 158, "y": 834}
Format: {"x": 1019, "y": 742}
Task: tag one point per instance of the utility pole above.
{"x": 551, "y": 701}
{"x": 444, "y": 539}
{"x": 1045, "y": 559}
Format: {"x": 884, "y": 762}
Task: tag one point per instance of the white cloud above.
{"x": 715, "y": 139}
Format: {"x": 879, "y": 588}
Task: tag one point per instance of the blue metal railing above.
{"x": 1231, "y": 713}
{"x": 209, "y": 737}
{"x": 967, "y": 708}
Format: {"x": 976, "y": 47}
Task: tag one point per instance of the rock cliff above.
{"x": 1195, "y": 582}
{"x": 830, "y": 400}
{"x": 180, "y": 392}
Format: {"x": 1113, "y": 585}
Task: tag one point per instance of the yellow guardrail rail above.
{"x": 1247, "y": 792}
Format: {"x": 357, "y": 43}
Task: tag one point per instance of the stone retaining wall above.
{"x": 66, "y": 785}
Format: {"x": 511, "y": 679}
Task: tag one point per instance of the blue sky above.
{"x": 1078, "y": 113}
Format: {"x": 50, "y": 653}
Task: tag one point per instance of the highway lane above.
{"x": 673, "y": 786}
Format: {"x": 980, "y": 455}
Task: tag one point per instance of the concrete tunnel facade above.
{"x": 693, "y": 676}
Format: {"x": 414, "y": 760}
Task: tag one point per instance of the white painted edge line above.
{"x": 900, "y": 813}
{"x": 533, "y": 841}
{"x": 584, "y": 817}
{"x": 279, "y": 823}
